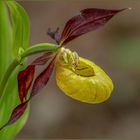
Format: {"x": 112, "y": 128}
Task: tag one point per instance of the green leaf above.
{"x": 8, "y": 101}
{"x": 10, "y": 38}
{"x": 5, "y": 39}
{"x": 21, "y": 26}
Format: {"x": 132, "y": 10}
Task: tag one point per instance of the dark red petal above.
{"x": 88, "y": 20}
{"x": 16, "y": 114}
{"x": 43, "y": 59}
{"x": 43, "y": 78}
{"x": 25, "y": 79}
{"x": 54, "y": 35}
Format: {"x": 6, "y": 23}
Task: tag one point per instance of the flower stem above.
{"x": 7, "y": 75}
{"x": 39, "y": 48}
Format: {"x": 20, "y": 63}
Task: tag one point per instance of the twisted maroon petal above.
{"x": 25, "y": 79}
{"x": 16, "y": 114}
{"x": 43, "y": 78}
{"x": 88, "y": 20}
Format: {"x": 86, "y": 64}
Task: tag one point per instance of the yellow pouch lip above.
{"x": 90, "y": 89}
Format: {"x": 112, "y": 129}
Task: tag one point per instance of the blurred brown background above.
{"x": 115, "y": 47}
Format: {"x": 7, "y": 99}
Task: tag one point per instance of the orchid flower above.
{"x": 77, "y": 77}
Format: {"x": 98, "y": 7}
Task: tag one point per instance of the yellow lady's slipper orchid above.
{"x": 77, "y": 77}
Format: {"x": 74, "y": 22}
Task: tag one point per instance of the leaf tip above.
{"x": 128, "y": 8}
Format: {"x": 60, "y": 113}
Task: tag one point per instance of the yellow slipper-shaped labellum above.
{"x": 87, "y": 82}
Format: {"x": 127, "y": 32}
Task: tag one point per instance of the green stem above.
{"x": 39, "y": 48}
{"x": 7, "y": 75}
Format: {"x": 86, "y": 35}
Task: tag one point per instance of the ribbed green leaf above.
{"x": 11, "y": 37}
{"x": 8, "y": 101}
{"x": 5, "y": 39}
{"x": 20, "y": 25}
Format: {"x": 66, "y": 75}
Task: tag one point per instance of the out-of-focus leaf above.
{"x": 88, "y": 20}
{"x": 126, "y": 54}
{"x": 10, "y": 95}
{"x": 9, "y": 100}
{"x": 21, "y": 26}
{"x": 43, "y": 78}
{"x": 5, "y": 39}
{"x": 25, "y": 79}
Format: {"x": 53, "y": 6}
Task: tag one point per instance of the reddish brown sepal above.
{"x": 88, "y": 20}
{"x": 43, "y": 78}
{"x": 25, "y": 79}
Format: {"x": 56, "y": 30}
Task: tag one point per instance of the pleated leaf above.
{"x": 20, "y": 25}
{"x": 10, "y": 36}
{"x": 5, "y": 39}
